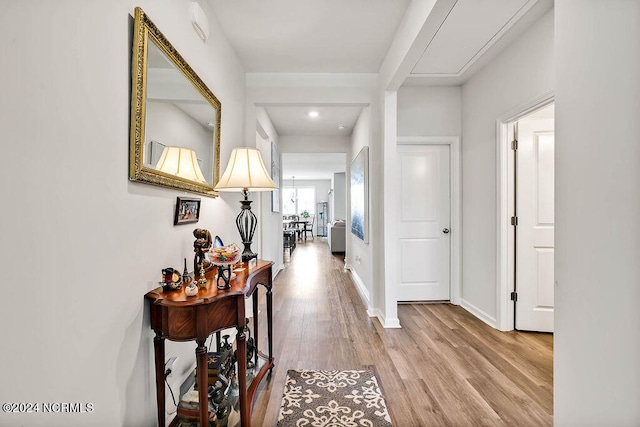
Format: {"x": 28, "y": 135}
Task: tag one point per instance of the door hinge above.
{"x": 514, "y": 144}
{"x": 514, "y": 220}
{"x": 514, "y": 296}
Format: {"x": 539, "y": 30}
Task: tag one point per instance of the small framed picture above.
{"x": 187, "y": 211}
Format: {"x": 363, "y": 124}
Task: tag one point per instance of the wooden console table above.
{"x": 176, "y": 317}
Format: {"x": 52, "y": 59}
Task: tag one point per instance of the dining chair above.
{"x": 289, "y": 241}
{"x": 308, "y": 227}
{"x": 290, "y": 225}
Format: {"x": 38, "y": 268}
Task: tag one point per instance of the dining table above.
{"x": 293, "y": 224}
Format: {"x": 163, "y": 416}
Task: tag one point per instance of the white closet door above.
{"x": 424, "y": 223}
{"x": 535, "y": 229}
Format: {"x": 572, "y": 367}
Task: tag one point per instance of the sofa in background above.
{"x": 336, "y": 236}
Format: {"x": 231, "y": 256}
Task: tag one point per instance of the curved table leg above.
{"x": 158, "y": 345}
{"x": 245, "y": 406}
{"x": 203, "y": 386}
{"x": 270, "y": 321}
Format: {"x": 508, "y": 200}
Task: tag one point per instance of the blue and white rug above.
{"x": 332, "y": 399}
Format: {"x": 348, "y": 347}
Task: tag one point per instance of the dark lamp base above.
{"x": 248, "y": 256}
{"x": 246, "y": 222}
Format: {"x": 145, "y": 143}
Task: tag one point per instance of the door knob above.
{"x": 446, "y": 231}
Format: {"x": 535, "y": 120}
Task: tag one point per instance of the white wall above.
{"x": 314, "y": 144}
{"x": 270, "y": 223}
{"x": 359, "y": 255}
{"x": 82, "y": 244}
{"x": 339, "y": 196}
{"x": 429, "y": 111}
{"x": 522, "y": 72}
{"x": 597, "y": 320}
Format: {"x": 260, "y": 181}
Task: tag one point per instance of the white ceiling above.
{"x": 353, "y": 36}
{"x": 312, "y": 165}
{"x": 303, "y": 36}
{"x": 469, "y": 36}
{"x": 295, "y": 120}
{"x": 451, "y": 50}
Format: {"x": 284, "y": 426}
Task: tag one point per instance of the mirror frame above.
{"x": 145, "y": 30}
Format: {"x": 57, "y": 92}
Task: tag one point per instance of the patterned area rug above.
{"x": 332, "y": 399}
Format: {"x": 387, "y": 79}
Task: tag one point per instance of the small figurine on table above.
{"x": 171, "y": 279}
{"x": 191, "y": 290}
{"x": 200, "y": 246}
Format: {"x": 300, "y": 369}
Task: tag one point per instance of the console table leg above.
{"x": 245, "y": 405}
{"x": 270, "y": 321}
{"x": 203, "y": 386}
{"x": 158, "y": 344}
{"x": 256, "y": 328}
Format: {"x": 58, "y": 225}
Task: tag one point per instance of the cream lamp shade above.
{"x": 181, "y": 162}
{"x": 245, "y": 171}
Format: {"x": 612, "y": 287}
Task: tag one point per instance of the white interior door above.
{"x": 535, "y": 228}
{"x": 424, "y": 223}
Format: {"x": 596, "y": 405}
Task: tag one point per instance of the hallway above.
{"x": 443, "y": 368}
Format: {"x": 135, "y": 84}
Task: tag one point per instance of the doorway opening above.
{"x": 427, "y": 219}
{"x": 526, "y": 218}
{"x": 314, "y": 186}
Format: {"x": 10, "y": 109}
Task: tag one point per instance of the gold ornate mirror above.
{"x": 175, "y": 118}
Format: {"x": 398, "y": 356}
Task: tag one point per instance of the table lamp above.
{"x": 246, "y": 172}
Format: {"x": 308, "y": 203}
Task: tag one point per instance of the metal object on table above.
{"x": 186, "y": 277}
{"x": 202, "y": 281}
{"x": 224, "y": 273}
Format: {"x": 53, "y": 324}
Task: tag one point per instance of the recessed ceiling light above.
{"x": 313, "y": 114}
{"x": 341, "y": 127}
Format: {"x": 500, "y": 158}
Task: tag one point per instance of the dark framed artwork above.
{"x": 359, "y": 174}
{"x": 187, "y": 211}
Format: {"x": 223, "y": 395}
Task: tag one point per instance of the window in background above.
{"x": 297, "y": 200}
{"x": 306, "y": 200}
{"x": 289, "y": 201}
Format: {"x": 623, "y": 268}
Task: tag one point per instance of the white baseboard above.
{"x": 361, "y": 288}
{"x": 386, "y": 323}
{"x": 390, "y": 323}
{"x": 489, "y": 320}
{"x": 277, "y": 270}
{"x": 363, "y": 292}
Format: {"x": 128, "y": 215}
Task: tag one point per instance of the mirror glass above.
{"x": 175, "y": 132}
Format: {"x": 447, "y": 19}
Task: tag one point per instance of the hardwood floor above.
{"x": 443, "y": 368}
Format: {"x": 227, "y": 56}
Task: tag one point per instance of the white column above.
{"x": 597, "y": 338}
{"x": 391, "y": 261}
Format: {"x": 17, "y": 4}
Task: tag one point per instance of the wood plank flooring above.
{"x": 443, "y": 368}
